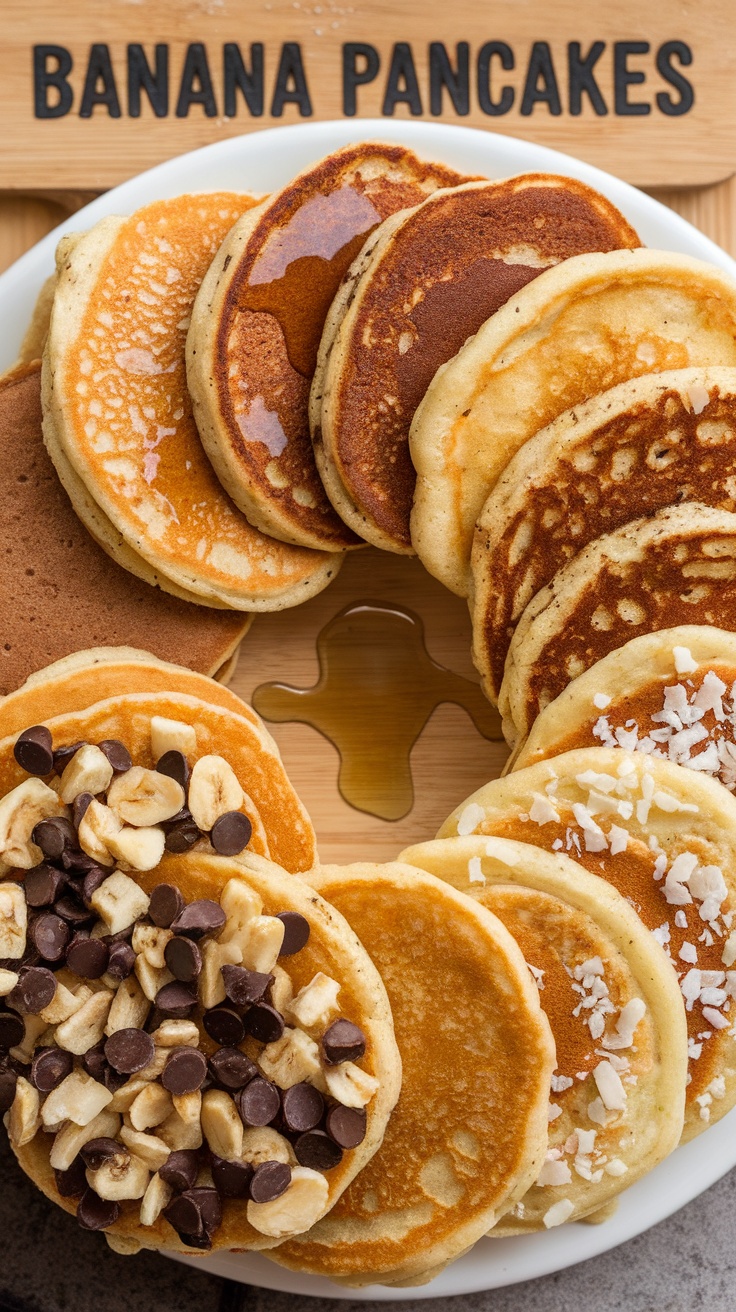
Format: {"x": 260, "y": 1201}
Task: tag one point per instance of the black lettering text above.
{"x": 99, "y": 84}
{"x": 236, "y": 77}
{"x": 624, "y": 77}
{"x": 581, "y": 78}
{"x": 541, "y": 70}
{"x": 352, "y": 76}
{"x": 142, "y": 78}
{"x": 196, "y": 83}
{"x": 291, "y": 82}
{"x": 442, "y": 76}
{"x": 665, "y": 55}
{"x": 402, "y": 87}
{"x": 506, "y": 56}
{"x": 46, "y": 79}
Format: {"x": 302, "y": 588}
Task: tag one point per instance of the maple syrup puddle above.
{"x": 377, "y": 688}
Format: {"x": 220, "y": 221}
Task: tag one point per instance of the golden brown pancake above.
{"x": 426, "y": 282}
{"x": 649, "y": 443}
{"x": 60, "y": 591}
{"x": 257, "y": 322}
{"x": 679, "y": 567}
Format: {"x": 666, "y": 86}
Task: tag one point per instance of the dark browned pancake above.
{"x": 59, "y": 590}
{"x": 431, "y": 279}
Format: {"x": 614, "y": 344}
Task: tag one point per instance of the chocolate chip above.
{"x": 296, "y": 932}
{"x": 183, "y": 959}
{"x": 176, "y": 1001}
{"x": 63, "y": 755}
{"x": 33, "y": 750}
{"x": 80, "y": 806}
{"x": 50, "y": 934}
{"x": 317, "y": 1150}
{"x": 195, "y": 1215}
{"x": 180, "y": 1169}
{"x": 121, "y": 961}
{"x": 185, "y": 1070}
{"x": 181, "y": 837}
{"x": 35, "y": 989}
{"x": 259, "y": 1102}
{"x": 54, "y": 836}
{"x": 96, "y": 1151}
{"x": 224, "y": 1025}
{"x": 270, "y": 1180}
{"x": 43, "y": 885}
{"x": 8, "y": 1081}
{"x": 72, "y": 911}
{"x": 303, "y": 1107}
{"x": 199, "y": 918}
{"x": 117, "y": 754}
{"x": 113, "y": 1080}
{"x": 165, "y": 905}
{"x": 92, "y": 881}
{"x": 49, "y": 1067}
{"x": 264, "y": 1023}
{"x": 230, "y": 833}
{"x": 346, "y": 1125}
{"x": 88, "y": 957}
{"x": 129, "y": 1050}
{"x": 231, "y": 1179}
{"x": 12, "y": 1030}
{"x": 343, "y": 1041}
{"x": 94, "y": 1062}
{"x": 174, "y": 764}
{"x": 72, "y": 1183}
{"x": 231, "y": 1068}
{"x": 96, "y": 1213}
{"x": 244, "y": 987}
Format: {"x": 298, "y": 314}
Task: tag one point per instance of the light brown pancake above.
{"x": 679, "y": 567}
{"x": 649, "y": 443}
{"x": 116, "y": 403}
{"x": 60, "y": 591}
{"x": 257, "y": 322}
{"x": 423, "y": 285}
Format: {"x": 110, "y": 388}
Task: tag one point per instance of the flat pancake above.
{"x": 678, "y": 567}
{"x": 652, "y": 442}
{"x": 665, "y": 837}
{"x": 331, "y": 948}
{"x": 423, "y": 285}
{"x": 469, "y": 1131}
{"x": 591, "y": 957}
{"x": 116, "y": 404}
{"x": 59, "y": 591}
{"x": 608, "y": 318}
{"x": 257, "y": 322}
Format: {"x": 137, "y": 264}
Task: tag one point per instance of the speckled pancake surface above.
{"x": 333, "y": 949}
{"x": 425, "y": 283}
{"x": 665, "y": 837}
{"x": 469, "y": 1132}
{"x": 61, "y": 590}
{"x": 616, "y": 1014}
{"x": 116, "y": 396}
{"x": 575, "y": 331}
{"x": 257, "y": 322}
{"x": 678, "y": 567}
{"x": 652, "y": 442}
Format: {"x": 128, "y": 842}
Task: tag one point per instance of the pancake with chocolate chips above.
{"x": 665, "y": 837}
{"x": 576, "y": 330}
{"x": 648, "y": 443}
{"x": 469, "y": 1132}
{"x": 257, "y": 322}
{"x": 618, "y": 1092}
{"x": 422, "y": 285}
{"x": 678, "y": 567}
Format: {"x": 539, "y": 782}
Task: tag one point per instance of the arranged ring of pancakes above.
{"x": 208, "y": 1039}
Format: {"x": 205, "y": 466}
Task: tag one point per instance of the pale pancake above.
{"x": 575, "y": 331}
{"x": 257, "y": 322}
{"x": 679, "y": 567}
{"x": 652, "y": 442}
{"x": 579, "y": 803}
{"x": 649, "y": 696}
{"x": 565, "y": 919}
{"x": 426, "y": 282}
{"x": 115, "y": 393}
{"x": 469, "y": 1131}
{"x": 332, "y": 948}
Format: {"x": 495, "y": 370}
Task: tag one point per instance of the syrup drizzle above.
{"x": 376, "y": 690}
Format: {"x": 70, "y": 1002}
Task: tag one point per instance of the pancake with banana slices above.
{"x": 648, "y": 443}
{"x": 618, "y": 1092}
{"x": 469, "y": 1132}
{"x": 678, "y": 567}
{"x": 256, "y": 327}
{"x": 665, "y": 837}
{"x": 59, "y": 589}
{"x": 425, "y": 282}
{"x": 118, "y": 418}
{"x": 668, "y": 694}
{"x": 114, "y": 1123}
{"x": 575, "y": 331}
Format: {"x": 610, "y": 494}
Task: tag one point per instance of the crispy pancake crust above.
{"x": 432, "y": 277}
{"x": 256, "y": 326}
{"x": 608, "y": 318}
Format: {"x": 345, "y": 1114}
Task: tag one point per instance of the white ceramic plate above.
{"x": 261, "y": 162}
